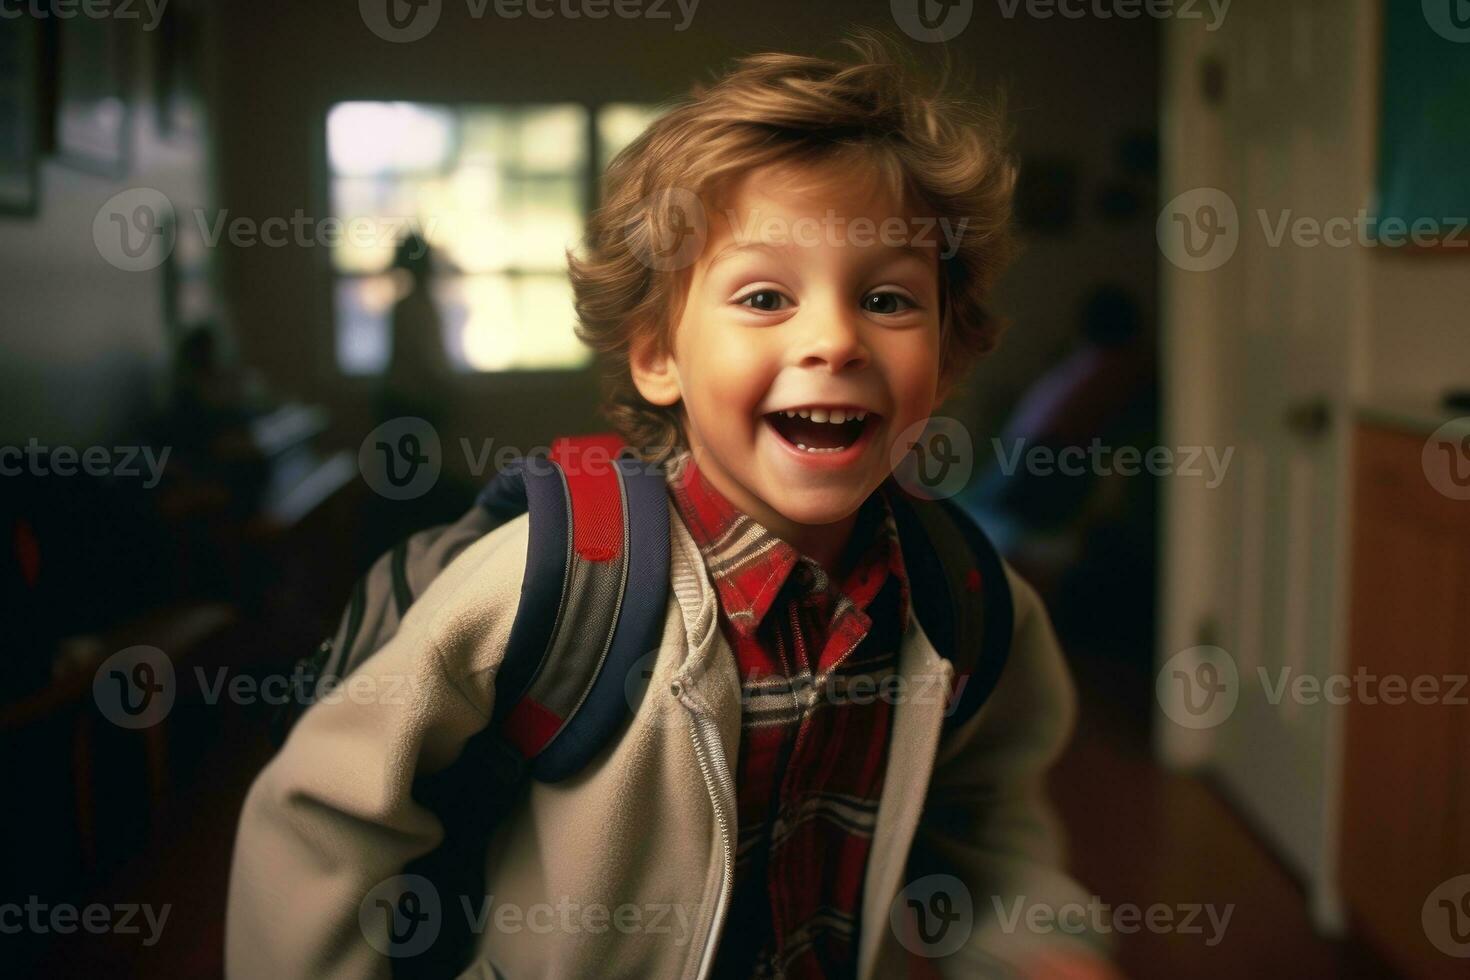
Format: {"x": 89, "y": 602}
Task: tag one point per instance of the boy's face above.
{"x": 803, "y": 301}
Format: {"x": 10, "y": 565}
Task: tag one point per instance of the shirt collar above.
{"x": 750, "y": 564}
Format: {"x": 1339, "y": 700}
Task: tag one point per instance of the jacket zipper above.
{"x": 717, "y": 779}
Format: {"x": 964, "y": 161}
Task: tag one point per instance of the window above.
{"x": 498, "y": 192}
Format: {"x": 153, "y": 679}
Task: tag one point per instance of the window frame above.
{"x": 534, "y": 377}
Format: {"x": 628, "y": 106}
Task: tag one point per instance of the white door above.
{"x": 1256, "y": 567}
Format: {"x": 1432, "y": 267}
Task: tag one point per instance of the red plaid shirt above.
{"x": 812, "y": 746}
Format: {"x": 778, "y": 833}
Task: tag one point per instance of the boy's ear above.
{"x": 653, "y": 370}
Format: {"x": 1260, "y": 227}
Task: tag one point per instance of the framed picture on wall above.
{"x": 94, "y": 116}
{"x": 20, "y": 117}
{"x": 1424, "y": 130}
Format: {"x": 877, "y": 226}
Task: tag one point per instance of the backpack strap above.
{"x": 592, "y": 601}
{"x": 960, "y": 594}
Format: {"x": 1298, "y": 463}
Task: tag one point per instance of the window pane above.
{"x": 389, "y": 137}
{"x": 552, "y": 140}
{"x": 376, "y": 212}
{"x": 512, "y": 321}
{"x": 364, "y": 305}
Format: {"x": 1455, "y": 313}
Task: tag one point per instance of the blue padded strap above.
{"x": 638, "y": 629}
{"x": 539, "y": 488}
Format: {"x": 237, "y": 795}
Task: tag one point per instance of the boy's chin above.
{"x": 817, "y": 508}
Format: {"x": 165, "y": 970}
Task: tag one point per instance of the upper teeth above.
{"x": 834, "y": 415}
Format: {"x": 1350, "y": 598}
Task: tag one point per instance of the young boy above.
{"x": 779, "y": 303}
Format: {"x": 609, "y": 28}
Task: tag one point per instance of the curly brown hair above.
{"x": 942, "y": 153}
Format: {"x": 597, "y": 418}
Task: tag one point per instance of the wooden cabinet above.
{"x": 1406, "y": 789}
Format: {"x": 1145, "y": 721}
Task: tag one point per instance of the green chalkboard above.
{"x": 1424, "y": 149}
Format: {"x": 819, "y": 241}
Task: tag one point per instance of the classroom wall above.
{"x": 85, "y": 354}
{"x": 1419, "y": 326}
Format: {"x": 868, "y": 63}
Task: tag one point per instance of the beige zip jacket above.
{"x": 625, "y": 869}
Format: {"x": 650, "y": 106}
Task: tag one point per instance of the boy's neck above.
{"x": 829, "y": 545}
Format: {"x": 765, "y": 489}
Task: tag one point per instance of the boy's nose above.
{"x": 833, "y": 341}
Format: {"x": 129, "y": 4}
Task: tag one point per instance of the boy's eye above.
{"x": 766, "y": 300}
{"x": 887, "y": 303}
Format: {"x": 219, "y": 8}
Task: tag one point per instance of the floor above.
{"x": 1138, "y": 836}
{"x": 1170, "y": 838}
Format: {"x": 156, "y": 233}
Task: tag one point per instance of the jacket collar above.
{"x": 749, "y": 564}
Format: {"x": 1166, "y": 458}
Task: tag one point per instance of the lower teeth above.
{"x": 813, "y": 449}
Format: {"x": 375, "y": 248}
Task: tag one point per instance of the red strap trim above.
{"x": 529, "y": 726}
{"x": 592, "y": 481}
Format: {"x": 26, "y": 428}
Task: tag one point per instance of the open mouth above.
{"x": 822, "y": 431}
